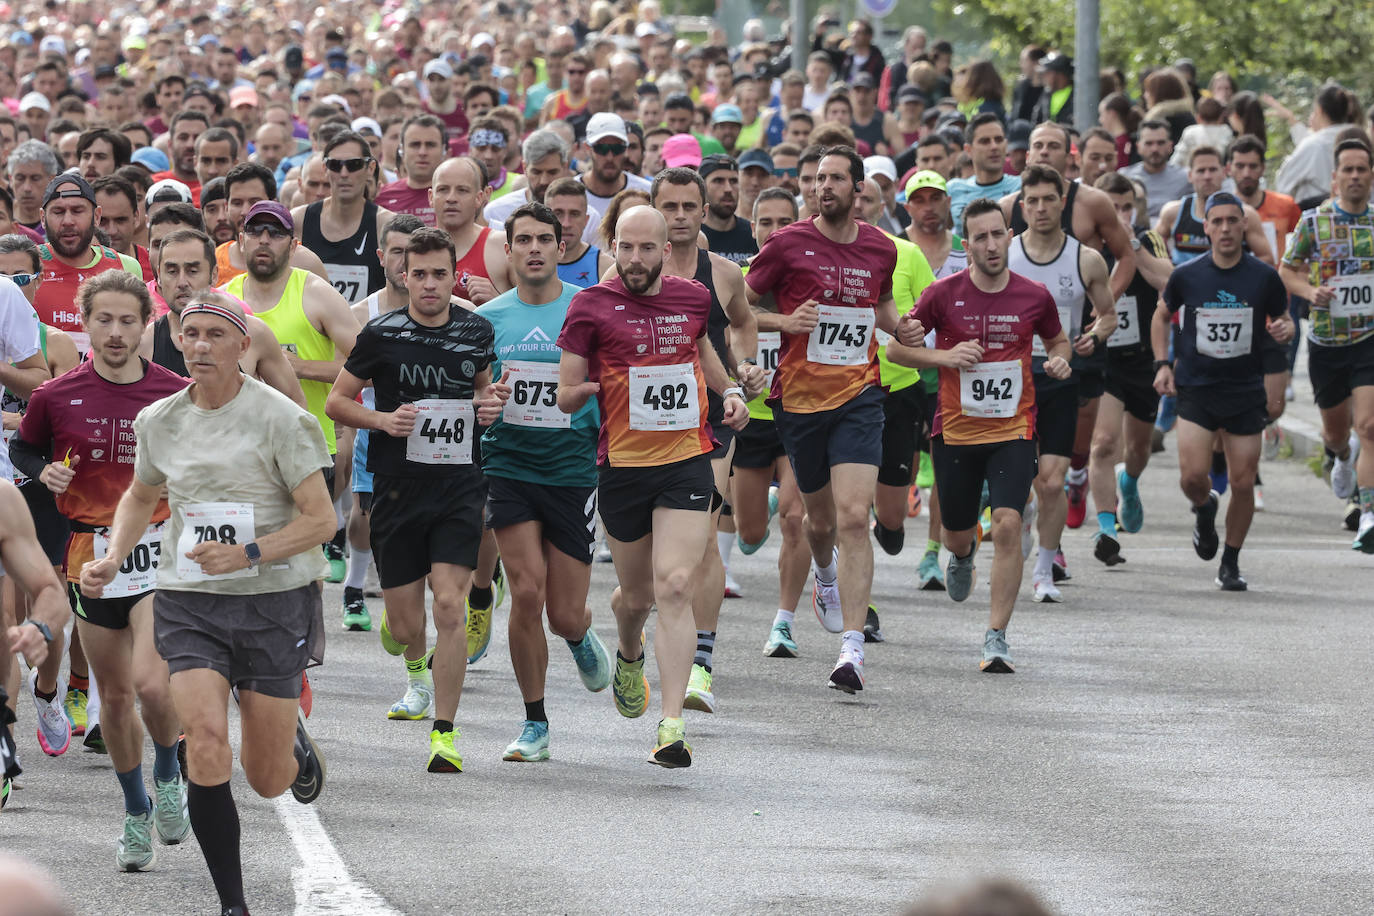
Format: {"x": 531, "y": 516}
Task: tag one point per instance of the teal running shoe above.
{"x": 171, "y": 817}
{"x": 533, "y": 744}
{"x": 593, "y": 662}
{"x": 780, "y": 643}
{"x": 135, "y": 851}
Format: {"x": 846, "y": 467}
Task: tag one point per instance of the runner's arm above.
{"x": 744, "y": 328}
{"x": 574, "y": 389}
{"x": 1115, "y": 239}
{"x": 342, "y": 405}
{"x": 131, "y": 519}
{"x": 330, "y": 314}
{"x": 1298, "y": 282}
{"x": 24, "y": 561}
{"x": 27, "y": 458}
{"x": 24, "y": 376}
{"x": 315, "y": 524}
{"x": 306, "y": 259}
{"x": 1256, "y": 239}
{"x": 1152, "y": 261}
{"x": 1100, "y": 295}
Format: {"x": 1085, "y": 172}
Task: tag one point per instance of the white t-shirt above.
{"x": 18, "y": 341}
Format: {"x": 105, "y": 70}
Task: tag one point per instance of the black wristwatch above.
{"x": 748, "y": 362}
{"x": 254, "y": 555}
{"x": 1161, "y": 363}
{"x": 42, "y": 628}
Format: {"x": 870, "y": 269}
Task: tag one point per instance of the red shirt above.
{"x": 473, "y": 263}
{"x": 643, "y": 352}
{"x": 455, "y": 127}
{"x": 833, "y": 364}
{"x": 56, "y": 299}
{"x": 399, "y": 197}
{"x": 994, "y": 401}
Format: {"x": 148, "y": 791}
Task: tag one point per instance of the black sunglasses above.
{"x": 609, "y": 149}
{"x": 274, "y": 231}
{"x": 356, "y": 164}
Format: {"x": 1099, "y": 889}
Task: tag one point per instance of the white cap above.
{"x": 361, "y": 124}
{"x": 168, "y": 184}
{"x": 645, "y": 29}
{"x": 607, "y": 124}
{"x": 339, "y": 100}
{"x": 481, "y": 38}
{"x": 880, "y": 165}
{"x": 52, "y": 44}
{"x": 439, "y": 66}
{"x": 35, "y": 100}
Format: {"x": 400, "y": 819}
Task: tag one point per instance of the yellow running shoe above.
{"x": 630, "y": 687}
{"x": 74, "y": 705}
{"x": 479, "y": 631}
{"x": 443, "y": 756}
{"x": 672, "y": 750}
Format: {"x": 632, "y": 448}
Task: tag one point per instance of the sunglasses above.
{"x": 347, "y": 165}
{"x": 22, "y": 279}
{"x": 609, "y": 149}
{"x": 273, "y": 231}
{"x": 787, "y": 173}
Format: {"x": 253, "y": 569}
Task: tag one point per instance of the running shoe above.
{"x": 310, "y": 763}
{"x": 873, "y": 631}
{"x": 780, "y": 643}
{"x": 603, "y": 553}
{"x": 418, "y": 703}
{"x": 959, "y": 576}
{"x": 848, "y": 675}
{"x": 732, "y": 589}
{"x": 479, "y": 629}
{"x": 890, "y": 541}
{"x": 1107, "y": 549}
{"x": 1045, "y": 591}
{"x": 1221, "y": 480}
{"x": 1205, "y": 528}
{"x": 498, "y": 585}
{"x": 1259, "y": 498}
{"x": 825, "y": 599}
{"x": 389, "y": 642}
{"x": 1131, "y": 512}
{"x": 772, "y": 501}
{"x": 74, "y": 706}
{"x": 5, "y": 785}
{"x": 1364, "y": 538}
{"x": 1028, "y": 527}
{"x": 443, "y": 756}
{"x": 699, "y": 696}
{"x": 672, "y": 750}
{"x": 1343, "y": 471}
{"x": 1230, "y": 579}
{"x": 95, "y": 741}
{"x": 631, "y": 689}
{"x": 985, "y": 524}
{"x": 54, "y": 728}
{"x": 929, "y": 578}
{"x": 1156, "y": 441}
{"x": 913, "y": 501}
{"x": 1351, "y": 520}
{"x": 925, "y": 473}
{"x": 355, "y": 616}
{"x": 532, "y": 746}
{"x": 338, "y": 567}
{"x": 996, "y": 655}
{"x": 171, "y": 817}
{"x": 135, "y": 851}
{"x": 1060, "y": 567}
{"x": 1273, "y": 438}
{"x": 750, "y": 549}
{"x": 593, "y": 662}
{"x": 1078, "y": 503}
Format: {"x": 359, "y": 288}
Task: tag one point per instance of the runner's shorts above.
{"x": 758, "y": 445}
{"x": 419, "y": 521}
{"x": 850, "y": 434}
{"x": 629, "y": 496}
{"x": 260, "y": 643}
{"x": 1242, "y": 413}
{"x": 904, "y": 417}
{"x": 1091, "y": 384}
{"x": 1337, "y": 371}
{"x": 1131, "y": 380}
{"x": 110, "y": 613}
{"x": 1056, "y": 415}
{"x": 567, "y": 515}
{"x": 960, "y": 470}
{"x": 362, "y": 477}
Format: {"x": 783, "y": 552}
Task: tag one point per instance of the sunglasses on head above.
{"x": 356, "y": 164}
{"x": 275, "y": 231}
{"x": 609, "y": 149}
{"x": 22, "y": 279}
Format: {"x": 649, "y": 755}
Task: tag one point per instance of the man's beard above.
{"x": 634, "y": 286}
{"x": 83, "y": 244}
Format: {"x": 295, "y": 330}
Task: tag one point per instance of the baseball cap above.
{"x": 212, "y": 191}
{"x": 71, "y": 184}
{"x": 207, "y": 39}
{"x": 293, "y": 56}
{"x": 911, "y": 94}
{"x": 35, "y": 100}
{"x": 301, "y": 89}
{"x": 105, "y": 71}
{"x": 366, "y": 124}
{"x": 481, "y": 38}
{"x": 727, "y": 114}
{"x": 437, "y": 66}
{"x": 607, "y": 124}
{"x": 338, "y": 101}
{"x": 168, "y": 190}
{"x": 880, "y": 165}
{"x": 20, "y": 37}
{"x": 52, "y": 44}
{"x": 926, "y": 179}
{"x": 1219, "y": 199}
{"x": 951, "y": 117}
{"x": 681, "y": 149}
{"x": 1057, "y": 63}
{"x": 715, "y": 162}
{"x": 243, "y": 95}
{"x": 1018, "y": 135}
{"x": 864, "y": 81}
{"x": 756, "y": 159}
{"x": 271, "y": 209}
{"x": 645, "y": 29}
{"x": 336, "y": 54}
{"x": 151, "y": 158}
{"x": 135, "y": 43}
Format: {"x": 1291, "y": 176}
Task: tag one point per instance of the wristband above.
{"x": 732, "y": 390}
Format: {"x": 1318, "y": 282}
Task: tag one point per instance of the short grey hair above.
{"x": 33, "y": 151}
{"x": 542, "y": 142}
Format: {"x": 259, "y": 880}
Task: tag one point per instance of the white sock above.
{"x": 784, "y": 617}
{"x": 853, "y": 641}
{"x": 358, "y": 562}
{"x": 340, "y": 517}
{"x": 1076, "y": 476}
{"x": 725, "y": 542}
{"x": 827, "y": 574}
{"x": 1044, "y": 563}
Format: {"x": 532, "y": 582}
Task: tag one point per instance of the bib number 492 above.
{"x": 666, "y": 397}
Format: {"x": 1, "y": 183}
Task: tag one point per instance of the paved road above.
{"x": 1162, "y": 748}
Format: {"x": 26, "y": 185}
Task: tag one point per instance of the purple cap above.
{"x": 273, "y": 209}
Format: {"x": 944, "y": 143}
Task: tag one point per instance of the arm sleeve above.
{"x": 28, "y": 459}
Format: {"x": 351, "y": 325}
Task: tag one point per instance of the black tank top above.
{"x": 716, "y": 323}
{"x": 165, "y": 352}
{"x": 1145, "y": 298}
{"x": 352, "y": 264}
{"x": 1018, "y": 219}
{"x": 1189, "y": 236}
{"x": 872, "y": 132}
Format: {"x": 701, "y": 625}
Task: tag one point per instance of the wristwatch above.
{"x": 1161, "y": 363}
{"x": 1135, "y": 244}
{"x": 254, "y": 555}
{"x": 42, "y": 628}
{"x": 748, "y": 362}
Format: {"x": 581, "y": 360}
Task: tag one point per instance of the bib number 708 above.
{"x": 222, "y": 534}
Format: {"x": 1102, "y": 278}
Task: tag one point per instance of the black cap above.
{"x": 212, "y": 191}
{"x": 715, "y": 162}
{"x": 952, "y": 117}
{"x": 864, "y": 81}
{"x": 1018, "y": 135}
{"x": 294, "y": 56}
{"x": 911, "y": 94}
{"x": 68, "y": 184}
{"x": 1058, "y": 63}
{"x": 105, "y": 71}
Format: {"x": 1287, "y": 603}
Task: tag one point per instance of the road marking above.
{"x": 322, "y": 883}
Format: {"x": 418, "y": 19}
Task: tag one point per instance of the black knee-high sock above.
{"x": 215, "y": 821}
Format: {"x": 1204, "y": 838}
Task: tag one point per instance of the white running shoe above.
{"x": 1045, "y": 591}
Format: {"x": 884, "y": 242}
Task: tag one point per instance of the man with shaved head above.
{"x": 638, "y": 343}
{"x": 458, "y": 194}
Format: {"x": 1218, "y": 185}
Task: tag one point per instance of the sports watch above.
{"x": 254, "y": 555}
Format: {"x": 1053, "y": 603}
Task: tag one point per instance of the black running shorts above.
{"x": 758, "y": 445}
{"x": 1131, "y": 380}
{"x": 1337, "y": 371}
{"x": 1238, "y": 413}
{"x": 850, "y": 434}
{"x": 417, "y": 522}
{"x": 629, "y": 496}
{"x": 1009, "y": 468}
{"x": 1056, "y": 415}
{"x": 904, "y": 416}
{"x": 110, "y": 613}
{"x": 566, "y": 515}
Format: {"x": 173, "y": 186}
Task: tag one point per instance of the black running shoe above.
{"x": 310, "y": 777}
{"x": 1107, "y": 549}
{"x": 1229, "y": 578}
{"x": 890, "y": 541}
{"x": 1205, "y": 528}
{"x": 1352, "y": 517}
{"x": 872, "y": 630}
{"x": 94, "y": 740}
{"x": 181, "y": 759}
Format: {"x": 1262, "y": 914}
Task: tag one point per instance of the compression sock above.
{"x": 535, "y": 711}
{"x": 1230, "y": 556}
{"x": 165, "y": 765}
{"x": 826, "y": 574}
{"x": 358, "y": 562}
{"x": 706, "y": 645}
{"x": 215, "y": 821}
{"x": 135, "y": 794}
{"x": 784, "y": 617}
{"x": 480, "y": 597}
{"x": 1044, "y": 563}
{"x": 1106, "y": 523}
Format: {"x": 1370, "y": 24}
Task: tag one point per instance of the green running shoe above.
{"x": 338, "y": 568}
{"x": 699, "y": 695}
{"x": 631, "y": 690}
{"x": 443, "y": 756}
{"x": 532, "y": 746}
{"x": 593, "y": 662}
{"x": 928, "y": 575}
{"x": 672, "y": 750}
{"x": 479, "y": 630}
{"x": 135, "y": 851}
{"x": 418, "y": 703}
{"x": 5, "y": 791}
{"x": 355, "y": 616}
{"x": 389, "y": 642}
{"x": 74, "y": 705}
{"x": 171, "y": 817}
{"x": 780, "y": 643}
{"x": 95, "y": 741}
{"x": 925, "y": 474}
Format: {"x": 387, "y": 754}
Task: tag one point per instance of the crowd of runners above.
{"x": 470, "y": 302}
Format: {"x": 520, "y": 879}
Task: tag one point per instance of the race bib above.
{"x": 5, "y": 438}
{"x": 841, "y": 336}
{"x": 443, "y": 432}
{"x": 991, "y": 390}
{"x": 1065, "y": 323}
{"x": 349, "y": 279}
{"x": 1224, "y": 333}
{"x": 664, "y": 398}
{"x": 82, "y": 341}
{"x": 1127, "y": 333}
{"x": 1354, "y": 296}
{"x": 534, "y": 396}
{"x": 770, "y": 352}
{"x": 222, "y": 523}
{"x": 138, "y": 573}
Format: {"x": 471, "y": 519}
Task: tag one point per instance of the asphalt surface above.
{"x": 1162, "y": 748}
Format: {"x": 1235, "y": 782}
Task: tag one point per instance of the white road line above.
{"x": 322, "y": 883}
